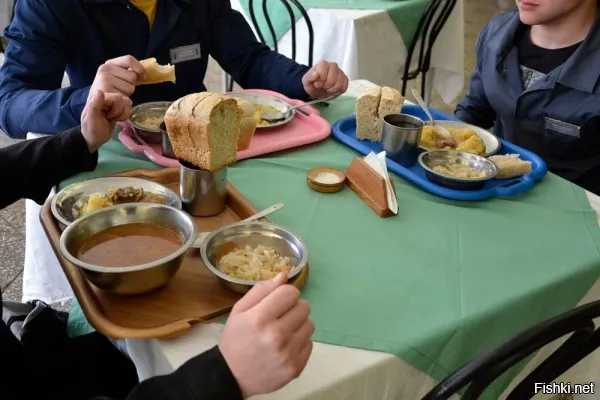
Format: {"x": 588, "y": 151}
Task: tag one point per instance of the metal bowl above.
{"x": 431, "y": 159}
{"x": 66, "y": 204}
{"x": 219, "y": 242}
{"x": 167, "y": 147}
{"x": 139, "y": 113}
{"x": 266, "y": 100}
{"x": 136, "y": 279}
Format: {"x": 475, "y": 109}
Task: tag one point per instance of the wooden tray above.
{"x": 193, "y": 295}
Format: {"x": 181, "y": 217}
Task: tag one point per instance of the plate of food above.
{"x": 146, "y": 119}
{"x": 83, "y": 198}
{"x": 263, "y": 104}
{"x": 464, "y": 138}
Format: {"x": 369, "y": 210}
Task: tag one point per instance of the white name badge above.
{"x": 185, "y": 53}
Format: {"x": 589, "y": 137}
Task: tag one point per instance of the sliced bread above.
{"x": 371, "y": 107}
{"x": 247, "y": 124}
{"x": 203, "y": 129}
{"x": 156, "y": 73}
{"x": 510, "y": 166}
{"x": 367, "y": 106}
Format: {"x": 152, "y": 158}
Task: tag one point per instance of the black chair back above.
{"x": 261, "y": 36}
{"x": 478, "y": 374}
{"x": 430, "y": 25}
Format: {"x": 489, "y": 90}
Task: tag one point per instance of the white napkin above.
{"x": 377, "y": 162}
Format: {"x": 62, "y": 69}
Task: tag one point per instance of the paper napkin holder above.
{"x": 369, "y": 186}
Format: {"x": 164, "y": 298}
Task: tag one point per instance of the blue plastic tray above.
{"x": 344, "y": 130}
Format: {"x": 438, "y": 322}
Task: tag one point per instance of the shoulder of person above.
{"x": 496, "y": 25}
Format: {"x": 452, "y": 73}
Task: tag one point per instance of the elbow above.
{"x": 8, "y": 123}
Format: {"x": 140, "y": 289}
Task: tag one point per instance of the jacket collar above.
{"x": 579, "y": 72}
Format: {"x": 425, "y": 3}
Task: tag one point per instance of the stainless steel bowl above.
{"x": 219, "y": 243}
{"x": 136, "y": 279}
{"x": 167, "y": 147}
{"x": 66, "y": 204}
{"x": 431, "y": 159}
{"x": 147, "y": 110}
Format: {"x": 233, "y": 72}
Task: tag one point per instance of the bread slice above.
{"x": 156, "y": 73}
{"x": 371, "y": 107}
{"x": 203, "y": 129}
{"x": 367, "y": 106}
{"x": 247, "y": 124}
{"x": 510, "y": 166}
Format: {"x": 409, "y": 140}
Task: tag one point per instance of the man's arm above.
{"x": 204, "y": 377}
{"x": 31, "y": 168}
{"x": 249, "y": 62}
{"x": 475, "y": 108}
{"x": 30, "y": 78}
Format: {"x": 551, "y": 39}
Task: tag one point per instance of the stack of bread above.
{"x": 371, "y": 107}
{"x": 206, "y": 129}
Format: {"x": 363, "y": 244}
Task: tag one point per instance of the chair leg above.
{"x": 428, "y": 78}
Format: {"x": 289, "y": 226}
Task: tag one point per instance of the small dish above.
{"x": 146, "y": 119}
{"x": 270, "y": 101}
{"x": 323, "y": 179}
{"x": 443, "y": 158}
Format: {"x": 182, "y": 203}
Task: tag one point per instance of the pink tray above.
{"x": 300, "y": 131}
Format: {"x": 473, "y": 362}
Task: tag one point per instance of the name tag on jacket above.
{"x": 185, "y": 53}
{"x": 561, "y": 127}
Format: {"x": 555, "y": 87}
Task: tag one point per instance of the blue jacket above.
{"x": 48, "y": 36}
{"x": 557, "y": 117}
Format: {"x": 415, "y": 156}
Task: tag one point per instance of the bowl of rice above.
{"x": 243, "y": 254}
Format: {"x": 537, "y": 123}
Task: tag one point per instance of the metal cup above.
{"x": 203, "y": 193}
{"x": 167, "y": 148}
{"x": 400, "y": 138}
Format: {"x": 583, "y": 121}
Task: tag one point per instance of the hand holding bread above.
{"x": 119, "y": 75}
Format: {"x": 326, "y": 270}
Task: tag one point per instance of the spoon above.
{"x": 438, "y": 127}
{"x": 280, "y": 116}
{"x": 202, "y": 235}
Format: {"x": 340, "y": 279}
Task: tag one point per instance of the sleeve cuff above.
{"x": 74, "y": 146}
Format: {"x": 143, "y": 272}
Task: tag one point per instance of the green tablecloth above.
{"x": 404, "y": 13}
{"x": 435, "y": 285}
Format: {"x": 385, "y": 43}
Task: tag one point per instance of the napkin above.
{"x": 377, "y": 162}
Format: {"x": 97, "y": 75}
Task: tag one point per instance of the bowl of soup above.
{"x": 131, "y": 248}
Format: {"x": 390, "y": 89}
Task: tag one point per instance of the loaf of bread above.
{"x": 203, "y": 129}
{"x": 247, "y": 124}
{"x": 510, "y": 166}
{"x": 371, "y": 107}
{"x": 156, "y": 73}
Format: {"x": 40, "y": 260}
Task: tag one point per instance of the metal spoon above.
{"x": 438, "y": 127}
{"x": 280, "y": 116}
{"x": 202, "y": 235}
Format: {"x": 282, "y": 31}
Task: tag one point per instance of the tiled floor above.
{"x": 12, "y": 218}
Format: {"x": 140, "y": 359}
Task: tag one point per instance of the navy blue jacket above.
{"x": 48, "y": 36}
{"x": 570, "y": 94}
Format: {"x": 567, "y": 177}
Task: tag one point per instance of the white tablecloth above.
{"x": 367, "y": 45}
{"x": 333, "y": 372}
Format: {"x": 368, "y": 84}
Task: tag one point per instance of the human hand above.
{"x": 325, "y": 79}
{"x": 100, "y": 115}
{"x": 119, "y": 75}
{"x": 267, "y": 339}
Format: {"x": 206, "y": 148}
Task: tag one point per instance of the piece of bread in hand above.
{"x": 156, "y": 73}
{"x": 510, "y": 166}
{"x": 247, "y": 124}
{"x": 203, "y": 129}
{"x": 371, "y": 107}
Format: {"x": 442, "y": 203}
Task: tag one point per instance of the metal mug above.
{"x": 203, "y": 193}
{"x": 167, "y": 148}
{"x": 400, "y": 138}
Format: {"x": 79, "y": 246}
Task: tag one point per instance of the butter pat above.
{"x": 377, "y": 163}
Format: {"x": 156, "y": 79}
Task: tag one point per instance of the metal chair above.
{"x": 296, "y": 3}
{"x": 430, "y": 25}
{"x": 478, "y": 374}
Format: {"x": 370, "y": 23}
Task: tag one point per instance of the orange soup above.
{"x": 128, "y": 245}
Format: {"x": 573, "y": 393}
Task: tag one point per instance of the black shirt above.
{"x": 30, "y": 169}
{"x": 535, "y": 62}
